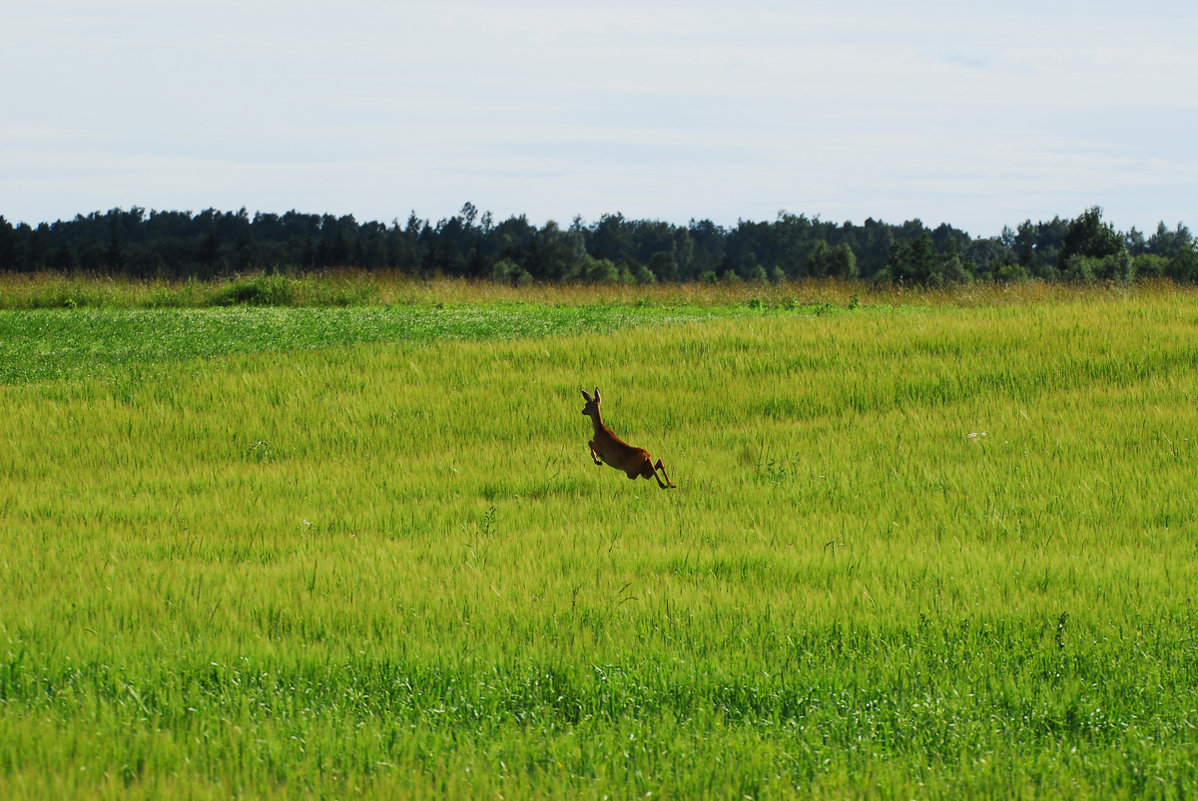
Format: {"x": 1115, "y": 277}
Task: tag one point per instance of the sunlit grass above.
{"x": 917, "y": 550}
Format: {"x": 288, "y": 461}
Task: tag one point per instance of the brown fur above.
{"x": 607, "y": 448}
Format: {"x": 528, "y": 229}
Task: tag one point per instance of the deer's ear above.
{"x": 585, "y": 395}
{"x": 597, "y": 395}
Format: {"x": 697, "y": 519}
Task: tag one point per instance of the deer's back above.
{"x": 615, "y": 451}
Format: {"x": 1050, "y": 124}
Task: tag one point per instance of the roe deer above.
{"x": 607, "y": 448}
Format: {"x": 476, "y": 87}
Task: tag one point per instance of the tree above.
{"x": 825, "y": 261}
{"x": 912, "y": 260}
{"x": 818, "y": 261}
{"x": 114, "y": 256}
{"x": 243, "y": 251}
{"x": 1184, "y": 266}
{"x": 1037, "y": 246}
{"x": 1024, "y": 243}
{"x": 183, "y": 243}
{"x": 917, "y": 261}
{"x": 1170, "y": 244}
{"x": 560, "y": 252}
{"x": 707, "y": 245}
{"x": 1089, "y": 236}
{"x": 611, "y": 239}
{"x": 210, "y": 251}
{"x": 468, "y": 213}
{"x": 663, "y": 266}
{"x": 9, "y": 245}
{"x": 842, "y": 262}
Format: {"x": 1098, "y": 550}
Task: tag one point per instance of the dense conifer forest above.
{"x": 179, "y": 244}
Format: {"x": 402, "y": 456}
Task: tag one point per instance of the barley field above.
{"x": 923, "y": 545}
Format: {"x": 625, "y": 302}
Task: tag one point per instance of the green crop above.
{"x": 933, "y": 550}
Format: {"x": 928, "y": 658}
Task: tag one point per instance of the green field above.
{"x": 921, "y": 547}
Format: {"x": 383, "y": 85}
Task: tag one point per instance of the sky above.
{"x": 975, "y": 114}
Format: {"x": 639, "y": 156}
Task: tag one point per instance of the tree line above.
{"x": 181, "y": 244}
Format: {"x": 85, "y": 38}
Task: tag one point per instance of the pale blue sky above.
{"x": 976, "y": 114}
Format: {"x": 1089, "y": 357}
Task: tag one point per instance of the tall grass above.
{"x": 920, "y": 550}
{"x": 54, "y": 291}
{"x": 339, "y": 288}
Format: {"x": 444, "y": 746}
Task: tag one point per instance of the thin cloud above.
{"x": 975, "y": 114}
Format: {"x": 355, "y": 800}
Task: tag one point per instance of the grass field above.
{"x": 929, "y": 546}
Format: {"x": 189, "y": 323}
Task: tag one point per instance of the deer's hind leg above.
{"x": 659, "y": 467}
{"x": 649, "y": 470}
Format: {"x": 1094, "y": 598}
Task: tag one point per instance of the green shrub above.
{"x": 505, "y": 272}
{"x": 1086, "y": 269}
{"x": 260, "y": 290}
{"x": 643, "y": 275}
{"x": 1012, "y": 272}
{"x": 1147, "y": 265}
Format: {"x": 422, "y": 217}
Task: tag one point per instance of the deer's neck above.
{"x": 598, "y": 423}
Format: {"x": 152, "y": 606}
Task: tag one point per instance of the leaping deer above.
{"x": 607, "y": 448}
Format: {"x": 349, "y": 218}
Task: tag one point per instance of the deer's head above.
{"x": 592, "y": 407}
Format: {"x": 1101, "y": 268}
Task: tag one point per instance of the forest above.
{"x": 179, "y": 244}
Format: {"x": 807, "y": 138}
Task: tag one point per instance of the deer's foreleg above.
{"x": 594, "y": 456}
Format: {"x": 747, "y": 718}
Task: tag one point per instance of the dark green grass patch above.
{"x": 68, "y": 343}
